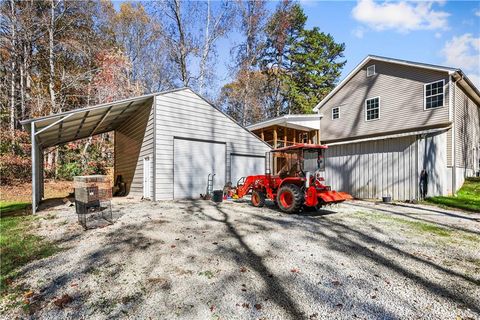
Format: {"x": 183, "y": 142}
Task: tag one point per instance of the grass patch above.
{"x": 418, "y": 226}
{"x": 467, "y": 198}
{"x": 18, "y": 246}
{"x": 12, "y": 207}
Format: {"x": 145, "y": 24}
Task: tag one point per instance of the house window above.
{"x": 372, "y": 108}
{"x": 434, "y": 94}
{"x": 370, "y": 70}
{"x": 335, "y": 113}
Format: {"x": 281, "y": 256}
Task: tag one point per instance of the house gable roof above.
{"x": 467, "y": 82}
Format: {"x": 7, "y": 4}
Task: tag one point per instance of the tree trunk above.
{"x": 206, "y": 50}
{"x": 183, "y": 48}
{"x": 51, "y": 83}
{"x": 13, "y": 57}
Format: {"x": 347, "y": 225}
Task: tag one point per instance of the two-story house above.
{"x": 390, "y": 119}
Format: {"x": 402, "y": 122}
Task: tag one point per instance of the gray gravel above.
{"x": 197, "y": 260}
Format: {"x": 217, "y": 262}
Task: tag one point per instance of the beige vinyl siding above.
{"x": 401, "y": 92}
{"x": 183, "y": 114}
{"x": 449, "y": 148}
{"x": 134, "y": 142}
{"x": 467, "y": 129}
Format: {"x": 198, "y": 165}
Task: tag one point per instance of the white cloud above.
{"x": 438, "y": 35}
{"x": 358, "y": 32}
{"x": 477, "y": 13}
{"x": 464, "y": 52}
{"x": 400, "y": 16}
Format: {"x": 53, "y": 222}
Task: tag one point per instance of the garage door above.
{"x": 245, "y": 165}
{"x": 193, "y": 161}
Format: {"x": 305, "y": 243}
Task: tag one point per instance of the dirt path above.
{"x": 197, "y": 260}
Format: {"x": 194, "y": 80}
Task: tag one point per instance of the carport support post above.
{"x": 34, "y": 169}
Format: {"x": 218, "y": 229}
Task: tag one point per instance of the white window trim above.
{"x": 379, "y": 108}
{"x": 374, "y": 71}
{"x": 338, "y": 113}
{"x": 425, "y": 95}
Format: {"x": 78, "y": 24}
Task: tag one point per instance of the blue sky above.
{"x": 436, "y": 32}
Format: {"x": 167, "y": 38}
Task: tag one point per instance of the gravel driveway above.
{"x": 197, "y": 260}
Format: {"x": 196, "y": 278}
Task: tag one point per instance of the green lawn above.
{"x": 12, "y": 207}
{"x": 18, "y": 246}
{"x": 468, "y": 197}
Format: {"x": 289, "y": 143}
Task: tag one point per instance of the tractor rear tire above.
{"x": 258, "y": 198}
{"x": 290, "y": 198}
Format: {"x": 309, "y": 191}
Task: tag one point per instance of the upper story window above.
{"x": 372, "y": 108}
{"x": 371, "y": 70}
{"x": 434, "y": 94}
{"x": 335, "y": 113}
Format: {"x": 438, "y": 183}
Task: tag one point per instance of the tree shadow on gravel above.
{"x": 275, "y": 290}
{"x": 412, "y": 216}
{"x": 339, "y": 241}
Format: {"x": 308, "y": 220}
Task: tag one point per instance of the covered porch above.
{"x": 288, "y": 130}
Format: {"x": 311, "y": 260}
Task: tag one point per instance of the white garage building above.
{"x": 166, "y": 144}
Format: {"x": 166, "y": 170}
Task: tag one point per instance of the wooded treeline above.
{"x": 58, "y": 55}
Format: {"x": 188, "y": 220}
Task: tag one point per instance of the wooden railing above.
{"x": 281, "y": 143}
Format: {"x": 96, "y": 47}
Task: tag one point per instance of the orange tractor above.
{"x": 297, "y": 181}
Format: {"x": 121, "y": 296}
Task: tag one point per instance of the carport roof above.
{"x": 64, "y": 127}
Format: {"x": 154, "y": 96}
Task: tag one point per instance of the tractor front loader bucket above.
{"x": 331, "y": 197}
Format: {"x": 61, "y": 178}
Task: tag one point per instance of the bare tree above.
{"x": 217, "y": 24}
{"x": 253, "y": 13}
{"x": 12, "y": 68}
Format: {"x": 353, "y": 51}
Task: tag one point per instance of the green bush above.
{"x": 67, "y": 171}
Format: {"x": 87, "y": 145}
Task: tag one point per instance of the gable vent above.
{"x": 370, "y": 70}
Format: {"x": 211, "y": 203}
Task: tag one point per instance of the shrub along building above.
{"x": 390, "y": 119}
{"x": 166, "y": 144}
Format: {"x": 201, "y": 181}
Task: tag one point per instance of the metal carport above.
{"x": 61, "y": 128}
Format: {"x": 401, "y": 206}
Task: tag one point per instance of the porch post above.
{"x": 34, "y": 168}
{"x": 275, "y": 136}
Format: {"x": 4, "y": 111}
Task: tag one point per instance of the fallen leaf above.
{"x": 336, "y": 282}
{"x": 373, "y": 296}
{"x": 295, "y": 270}
{"x": 313, "y": 316}
{"x": 212, "y": 308}
{"x": 258, "y": 306}
{"x": 63, "y": 301}
{"x": 74, "y": 285}
{"x": 243, "y": 269}
{"x": 28, "y": 294}
{"x": 339, "y": 305}
{"x": 215, "y": 243}
{"x": 246, "y": 305}
{"x": 173, "y": 246}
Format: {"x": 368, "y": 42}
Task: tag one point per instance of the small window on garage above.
{"x": 335, "y": 113}
{"x": 434, "y": 94}
{"x": 372, "y": 108}
{"x": 371, "y": 70}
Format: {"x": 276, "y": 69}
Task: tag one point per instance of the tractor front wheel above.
{"x": 290, "y": 198}
{"x": 258, "y": 198}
